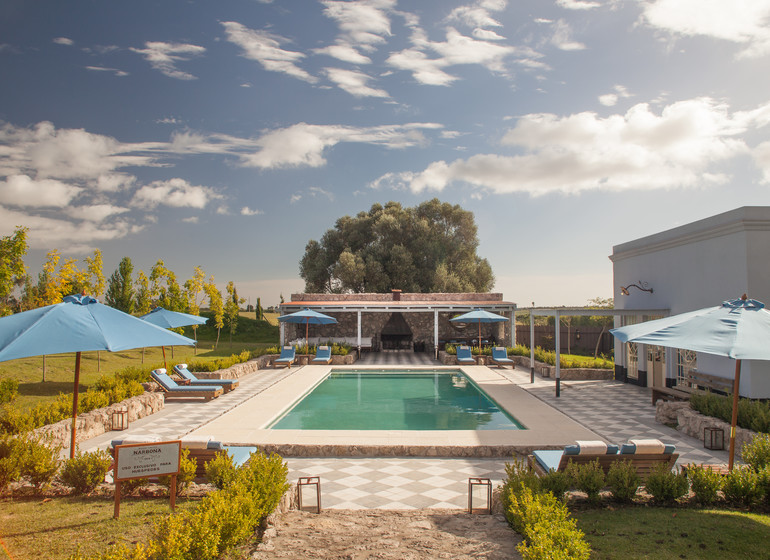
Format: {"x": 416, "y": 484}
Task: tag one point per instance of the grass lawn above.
{"x": 57, "y": 528}
{"x": 635, "y": 532}
{"x": 59, "y": 369}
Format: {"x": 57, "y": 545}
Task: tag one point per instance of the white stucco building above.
{"x": 686, "y": 268}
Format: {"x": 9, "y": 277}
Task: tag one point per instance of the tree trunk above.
{"x": 598, "y": 342}
{"x": 217, "y": 342}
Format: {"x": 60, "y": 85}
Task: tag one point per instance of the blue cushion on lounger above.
{"x": 548, "y": 459}
{"x": 240, "y": 454}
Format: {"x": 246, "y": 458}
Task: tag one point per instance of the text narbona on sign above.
{"x": 147, "y": 459}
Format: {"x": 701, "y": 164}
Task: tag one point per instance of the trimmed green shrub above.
{"x": 556, "y": 482}
{"x": 705, "y": 483}
{"x": 220, "y": 471}
{"x": 85, "y": 471}
{"x": 220, "y": 363}
{"x": 756, "y": 454}
{"x": 666, "y": 486}
{"x": 742, "y": 487}
{"x": 38, "y": 461}
{"x": 588, "y": 478}
{"x": 545, "y": 524}
{"x": 9, "y": 390}
{"x": 752, "y": 415}
{"x": 519, "y": 474}
{"x": 91, "y": 400}
{"x": 623, "y": 481}
{"x": 10, "y": 470}
{"x": 187, "y": 468}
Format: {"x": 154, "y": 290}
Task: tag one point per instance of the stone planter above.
{"x": 679, "y": 415}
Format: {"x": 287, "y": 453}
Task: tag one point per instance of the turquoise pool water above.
{"x": 396, "y": 400}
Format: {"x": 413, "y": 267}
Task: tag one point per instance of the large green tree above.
{"x": 120, "y": 287}
{"x": 12, "y": 269}
{"x": 427, "y": 248}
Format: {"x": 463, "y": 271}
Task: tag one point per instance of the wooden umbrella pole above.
{"x": 734, "y": 421}
{"x": 73, "y": 440}
{"x": 164, "y": 358}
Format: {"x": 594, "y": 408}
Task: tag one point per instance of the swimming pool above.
{"x": 395, "y": 400}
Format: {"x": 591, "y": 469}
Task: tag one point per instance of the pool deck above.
{"x": 609, "y": 410}
{"x": 546, "y": 427}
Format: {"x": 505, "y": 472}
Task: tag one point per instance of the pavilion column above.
{"x": 359, "y": 333}
{"x": 513, "y": 327}
{"x": 532, "y": 345}
{"x": 283, "y": 333}
{"x": 558, "y": 353}
{"x": 435, "y": 333}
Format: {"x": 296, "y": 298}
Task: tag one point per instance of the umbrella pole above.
{"x": 307, "y": 344}
{"x": 734, "y": 421}
{"x": 165, "y": 365}
{"x": 75, "y": 406}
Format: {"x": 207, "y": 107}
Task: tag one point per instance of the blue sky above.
{"x": 228, "y": 134}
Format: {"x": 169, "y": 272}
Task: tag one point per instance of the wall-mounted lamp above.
{"x": 642, "y": 286}
{"x": 577, "y": 334}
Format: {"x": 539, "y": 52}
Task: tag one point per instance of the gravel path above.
{"x": 389, "y": 535}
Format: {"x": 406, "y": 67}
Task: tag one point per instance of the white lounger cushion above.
{"x": 592, "y": 447}
{"x": 648, "y": 445}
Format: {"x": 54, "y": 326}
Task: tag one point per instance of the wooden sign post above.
{"x": 142, "y": 460}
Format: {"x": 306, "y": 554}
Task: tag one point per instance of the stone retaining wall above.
{"x": 99, "y": 421}
{"x": 680, "y": 416}
{"x": 320, "y": 450}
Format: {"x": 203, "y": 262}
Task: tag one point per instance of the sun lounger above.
{"x": 464, "y": 356}
{"x": 286, "y": 358}
{"x": 500, "y": 357}
{"x": 172, "y": 389}
{"x": 323, "y": 355}
{"x": 644, "y": 455}
{"x": 192, "y": 381}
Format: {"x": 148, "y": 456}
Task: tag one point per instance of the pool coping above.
{"x": 546, "y": 427}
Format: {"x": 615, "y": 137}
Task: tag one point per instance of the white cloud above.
{"x": 96, "y": 212}
{"x": 70, "y": 236}
{"x": 611, "y": 99}
{"x": 562, "y": 39}
{"x": 456, "y": 50}
{"x": 746, "y": 22}
{"x": 265, "y": 48}
{"x": 165, "y": 56}
{"x": 345, "y": 53}
{"x": 64, "y": 41}
{"x": 246, "y": 211}
{"x": 364, "y": 23}
{"x": 295, "y": 198}
{"x": 354, "y": 83}
{"x": 21, "y": 190}
{"x": 577, "y": 4}
{"x": 637, "y": 150}
{"x": 304, "y": 144}
{"x": 174, "y": 192}
{"x": 115, "y": 71}
{"x": 191, "y": 220}
{"x": 762, "y": 158}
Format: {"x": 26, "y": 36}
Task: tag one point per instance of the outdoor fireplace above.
{"x": 396, "y": 334}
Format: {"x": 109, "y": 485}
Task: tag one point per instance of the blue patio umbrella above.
{"x": 479, "y": 316}
{"x": 78, "y": 324}
{"x": 308, "y": 317}
{"x": 739, "y": 329}
{"x": 172, "y": 319}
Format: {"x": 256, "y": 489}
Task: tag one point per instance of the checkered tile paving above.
{"x": 616, "y": 411}
{"x": 397, "y": 358}
{"x": 408, "y": 483}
